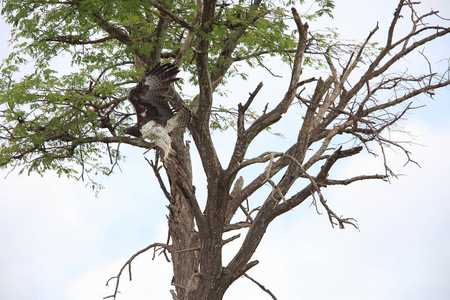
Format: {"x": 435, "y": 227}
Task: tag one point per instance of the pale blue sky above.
{"x": 60, "y": 242}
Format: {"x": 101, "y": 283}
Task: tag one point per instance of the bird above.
{"x": 155, "y": 117}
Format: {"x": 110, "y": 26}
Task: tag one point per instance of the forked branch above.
{"x": 155, "y": 246}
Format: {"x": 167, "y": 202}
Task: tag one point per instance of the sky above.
{"x": 60, "y": 241}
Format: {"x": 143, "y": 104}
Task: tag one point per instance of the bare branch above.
{"x": 128, "y": 263}
{"x": 274, "y": 115}
{"x": 260, "y": 286}
{"x": 243, "y": 108}
{"x": 353, "y": 179}
{"x": 234, "y": 237}
{"x": 156, "y": 168}
{"x": 236, "y": 226}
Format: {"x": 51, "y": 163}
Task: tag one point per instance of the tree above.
{"x": 68, "y": 122}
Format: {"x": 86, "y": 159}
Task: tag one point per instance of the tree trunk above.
{"x": 185, "y": 242}
{"x": 196, "y": 254}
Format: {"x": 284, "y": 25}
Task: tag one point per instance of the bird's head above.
{"x": 134, "y": 131}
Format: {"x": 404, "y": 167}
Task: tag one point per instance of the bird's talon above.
{"x": 169, "y": 155}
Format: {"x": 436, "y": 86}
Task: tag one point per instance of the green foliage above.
{"x": 64, "y": 114}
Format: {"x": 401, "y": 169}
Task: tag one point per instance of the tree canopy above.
{"x": 69, "y": 120}
{"x": 100, "y": 49}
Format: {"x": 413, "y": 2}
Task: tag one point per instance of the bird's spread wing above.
{"x": 149, "y": 97}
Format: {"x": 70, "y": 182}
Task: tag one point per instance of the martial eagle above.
{"x": 155, "y": 117}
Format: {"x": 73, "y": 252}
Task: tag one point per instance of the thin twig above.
{"x": 261, "y": 286}
{"x": 331, "y": 214}
{"x": 128, "y": 263}
{"x": 156, "y": 169}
